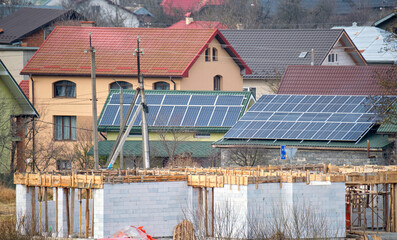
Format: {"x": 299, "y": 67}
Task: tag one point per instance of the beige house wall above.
{"x": 201, "y": 75}
{"x": 15, "y": 60}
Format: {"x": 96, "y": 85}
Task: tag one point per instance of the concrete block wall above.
{"x": 326, "y": 201}
{"x": 157, "y": 206}
{"x": 230, "y": 202}
{"x": 323, "y": 200}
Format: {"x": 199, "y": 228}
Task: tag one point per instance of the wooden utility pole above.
{"x": 145, "y": 132}
{"x": 94, "y": 108}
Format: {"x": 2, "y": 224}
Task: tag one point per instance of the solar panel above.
{"x": 178, "y": 110}
{"x": 299, "y": 117}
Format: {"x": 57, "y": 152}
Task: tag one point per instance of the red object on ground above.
{"x": 132, "y": 233}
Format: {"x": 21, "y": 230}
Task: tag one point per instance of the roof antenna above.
{"x": 312, "y": 63}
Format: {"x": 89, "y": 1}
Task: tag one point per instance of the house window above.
{"x": 202, "y": 135}
{"x": 65, "y": 128}
{"x": 122, "y": 84}
{"x": 64, "y": 164}
{"x": 207, "y": 55}
{"x": 65, "y": 89}
{"x": 214, "y": 54}
{"x": 217, "y": 83}
{"x": 161, "y": 86}
{"x": 333, "y": 57}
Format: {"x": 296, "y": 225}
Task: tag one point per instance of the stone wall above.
{"x": 335, "y": 157}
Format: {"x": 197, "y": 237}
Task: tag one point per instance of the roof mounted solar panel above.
{"x": 179, "y": 110}
{"x": 306, "y": 117}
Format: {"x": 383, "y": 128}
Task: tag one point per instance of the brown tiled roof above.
{"x": 335, "y": 80}
{"x": 24, "y": 85}
{"x": 28, "y": 20}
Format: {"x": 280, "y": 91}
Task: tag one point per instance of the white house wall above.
{"x": 344, "y": 58}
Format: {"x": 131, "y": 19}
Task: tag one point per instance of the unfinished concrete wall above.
{"x": 157, "y": 206}
{"x": 24, "y": 211}
{"x": 160, "y": 206}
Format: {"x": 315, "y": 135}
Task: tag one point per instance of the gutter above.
{"x": 301, "y": 148}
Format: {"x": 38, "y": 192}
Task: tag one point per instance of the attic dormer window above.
{"x": 214, "y": 54}
{"x": 333, "y": 57}
{"x": 207, "y": 55}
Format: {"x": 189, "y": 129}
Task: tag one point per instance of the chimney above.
{"x": 240, "y": 26}
{"x": 87, "y": 23}
{"x": 188, "y": 19}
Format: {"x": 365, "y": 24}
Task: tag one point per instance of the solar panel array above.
{"x": 178, "y": 110}
{"x": 300, "y": 117}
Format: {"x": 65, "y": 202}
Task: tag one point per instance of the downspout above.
{"x": 173, "y": 83}
{"x": 34, "y": 129}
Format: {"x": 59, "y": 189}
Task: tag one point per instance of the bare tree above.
{"x": 290, "y": 13}
{"x": 246, "y": 156}
{"x": 228, "y": 222}
{"x": 103, "y": 17}
{"x": 248, "y": 14}
{"x": 81, "y": 159}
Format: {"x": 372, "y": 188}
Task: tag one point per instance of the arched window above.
{"x": 161, "y": 86}
{"x": 65, "y": 89}
{"x": 214, "y": 54}
{"x": 122, "y": 84}
{"x": 217, "y": 83}
{"x": 207, "y": 54}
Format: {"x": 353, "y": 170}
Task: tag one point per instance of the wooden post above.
{"x": 395, "y": 210}
{"x": 45, "y": 210}
{"x": 87, "y": 213}
{"x": 92, "y": 215}
{"x": 33, "y": 202}
{"x": 213, "y": 210}
{"x": 39, "y": 198}
{"x": 56, "y": 210}
{"x": 72, "y": 193}
{"x": 80, "y": 200}
{"x": 66, "y": 190}
{"x": 206, "y": 211}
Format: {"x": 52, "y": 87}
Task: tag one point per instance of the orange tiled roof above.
{"x": 167, "y": 52}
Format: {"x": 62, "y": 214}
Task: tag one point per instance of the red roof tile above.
{"x": 335, "y": 80}
{"x": 198, "y": 25}
{"x": 165, "y": 51}
{"x": 185, "y": 6}
{"x": 24, "y": 85}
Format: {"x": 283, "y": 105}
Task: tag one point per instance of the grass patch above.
{"x": 7, "y": 195}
